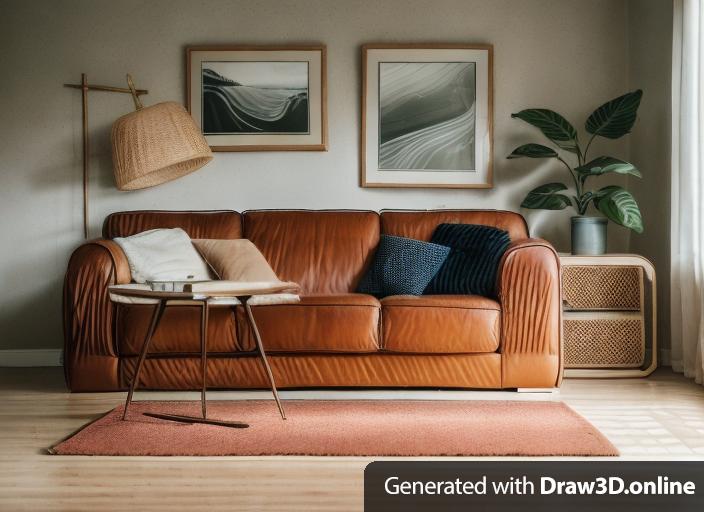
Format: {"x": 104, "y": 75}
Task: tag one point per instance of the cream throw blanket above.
{"x": 163, "y": 255}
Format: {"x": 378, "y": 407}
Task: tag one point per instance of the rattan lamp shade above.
{"x": 156, "y": 144}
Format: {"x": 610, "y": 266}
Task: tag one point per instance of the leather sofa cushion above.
{"x": 421, "y": 224}
{"x": 178, "y": 331}
{"x": 444, "y": 324}
{"x": 204, "y": 224}
{"x": 318, "y": 323}
{"x": 325, "y": 252}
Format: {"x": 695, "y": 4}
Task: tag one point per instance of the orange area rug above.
{"x": 345, "y": 428}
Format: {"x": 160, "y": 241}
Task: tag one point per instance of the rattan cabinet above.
{"x": 609, "y": 316}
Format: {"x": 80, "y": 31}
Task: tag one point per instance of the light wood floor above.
{"x": 658, "y": 417}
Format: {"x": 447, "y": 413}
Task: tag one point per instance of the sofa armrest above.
{"x": 531, "y": 309}
{"x": 90, "y": 355}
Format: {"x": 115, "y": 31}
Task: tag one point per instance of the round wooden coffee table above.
{"x": 205, "y": 295}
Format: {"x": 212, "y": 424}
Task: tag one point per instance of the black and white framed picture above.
{"x": 426, "y": 116}
{"x": 259, "y": 98}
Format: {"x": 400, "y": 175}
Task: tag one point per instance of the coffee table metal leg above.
{"x": 204, "y": 353}
{"x": 260, "y": 346}
{"x": 204, "y": 315}
{"x": 156, "y": 316}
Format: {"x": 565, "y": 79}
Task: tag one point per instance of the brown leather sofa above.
{"x": 334, "y": 337}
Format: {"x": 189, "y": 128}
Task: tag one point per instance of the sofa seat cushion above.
{"x": 444, "y": 324}
{"x": 318, "y": 323}
{"x": 178, "y": 331}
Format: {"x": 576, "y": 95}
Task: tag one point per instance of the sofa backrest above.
{"x": 324, "y": 251}
{"x": 223, "y": 224}
{"x": 421, "y": 224}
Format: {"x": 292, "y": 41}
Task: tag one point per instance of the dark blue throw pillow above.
{"x": 402, "y": 266}
{"x": 473, "y": 262}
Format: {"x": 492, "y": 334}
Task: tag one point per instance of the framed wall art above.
{"x": 426, "y": 116}
{"x": 259, "y": 98}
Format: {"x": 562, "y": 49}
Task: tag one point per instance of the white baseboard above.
{"x": 29, "y": 358}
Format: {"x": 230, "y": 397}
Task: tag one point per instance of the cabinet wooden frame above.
{"x": 649, "y": 274}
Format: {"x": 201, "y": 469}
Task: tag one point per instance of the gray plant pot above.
{"x": 589, "y": 235}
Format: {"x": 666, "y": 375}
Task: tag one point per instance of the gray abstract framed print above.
{"x": 254, "y": 97}
{"x": 426, "y": 115}
{"x": 426, "y": 119}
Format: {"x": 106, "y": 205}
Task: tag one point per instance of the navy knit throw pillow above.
{"x": 471, "y": 267}
{"x": 402, "y": 266}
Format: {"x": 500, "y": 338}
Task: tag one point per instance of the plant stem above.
{"x": 580, "y": 157}
{"x": 574, "y": 178}
{"x": 587, "y": 148}
{"x": 578, "y": 187}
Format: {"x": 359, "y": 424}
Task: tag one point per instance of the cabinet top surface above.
{"x": 605, "y": 259}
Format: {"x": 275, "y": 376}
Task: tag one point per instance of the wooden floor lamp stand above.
{"x": 84, "y": 86}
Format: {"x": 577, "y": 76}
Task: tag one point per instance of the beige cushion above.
{"x": 236, "y": 260}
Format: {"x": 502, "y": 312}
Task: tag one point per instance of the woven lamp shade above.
{"x": 156, "y": 144}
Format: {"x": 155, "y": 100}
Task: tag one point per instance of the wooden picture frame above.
{"x": 282, "y": 103}
{"x": 418, "y": 128}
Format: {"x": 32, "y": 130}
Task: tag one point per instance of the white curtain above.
{"x": 687, "y": 253}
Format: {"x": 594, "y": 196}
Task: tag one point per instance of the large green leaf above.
{"x": 546, "y": 197}
{"x": 533, "y": 151}
{"x": 553, "y": 125}
{"x": 619, "y": 205}
{"x": 606, "y": 164}
{"x": 615, "y": 118}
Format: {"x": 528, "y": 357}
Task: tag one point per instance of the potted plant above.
{"x": 612, "y": 120}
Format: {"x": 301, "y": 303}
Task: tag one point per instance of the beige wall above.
{"x": 569, "y": 55}
{"x": 650, "y": 42}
